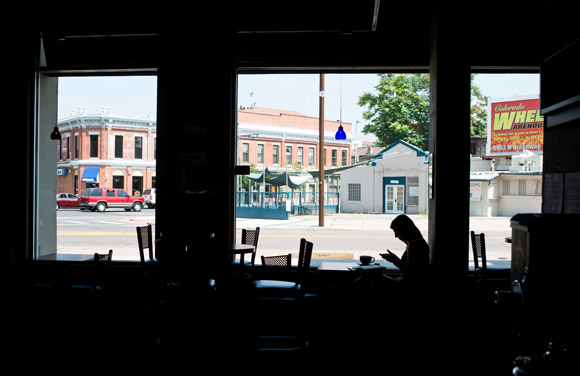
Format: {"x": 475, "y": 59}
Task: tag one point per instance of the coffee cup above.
{"x": 365, "y": 260}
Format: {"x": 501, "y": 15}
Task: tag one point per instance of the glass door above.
{"x": 394, "y": 199}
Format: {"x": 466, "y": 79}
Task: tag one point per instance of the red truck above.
{"x": 100, "y": 199}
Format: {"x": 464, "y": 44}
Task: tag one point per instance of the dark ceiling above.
{"x": 284, "y": 33}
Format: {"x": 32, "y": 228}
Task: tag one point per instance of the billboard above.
{"x": 514, "y": 125}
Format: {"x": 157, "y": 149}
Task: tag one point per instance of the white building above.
{"x": 394, "y": 181}
{"x": 517, "y": 188}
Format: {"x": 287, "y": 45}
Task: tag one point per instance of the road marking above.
{"x": 94, "y": 233}
{"x": 328, "y": 236}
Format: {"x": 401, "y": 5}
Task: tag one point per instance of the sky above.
{"x": 136, "y": 96}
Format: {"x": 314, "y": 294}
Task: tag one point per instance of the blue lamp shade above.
{"x": 340, "y": 135}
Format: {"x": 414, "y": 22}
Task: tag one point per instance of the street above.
{"x": 344, "y": 236}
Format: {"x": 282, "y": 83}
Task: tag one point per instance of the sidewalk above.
{"x": 348, "y": 221}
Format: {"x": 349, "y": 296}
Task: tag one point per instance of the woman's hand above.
{"x": 391, "y": 257}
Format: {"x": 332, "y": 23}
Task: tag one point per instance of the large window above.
{"x": 92, "y": 156}
{"x": 505, "y": 178}
{"x": 361, "y": 191}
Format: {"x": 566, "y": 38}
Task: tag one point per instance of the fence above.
{"x": 294, "y": 202}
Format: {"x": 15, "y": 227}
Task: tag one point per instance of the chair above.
{"x": 249, "y": 237}
{"x": 100, "y": 273}
{"x": 282, "y": 326}
{"x": 274, "y": 288}
{"x": 145, "y": 241}
{"x": 277, "y": 263}
{"x": 101, "y": 270}
{"x": 479, "y": 258}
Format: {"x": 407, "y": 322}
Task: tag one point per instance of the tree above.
{"x": 400, "y": 110}
{"x": 478, "y": 118}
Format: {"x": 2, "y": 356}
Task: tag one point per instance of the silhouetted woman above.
{"x": 415, "y": 263}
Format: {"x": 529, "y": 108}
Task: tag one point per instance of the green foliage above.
{"x": 478, "y": 118}
{"x": 400, "y": 110}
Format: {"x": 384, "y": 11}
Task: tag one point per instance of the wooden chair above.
{"x": 479, "y": 257}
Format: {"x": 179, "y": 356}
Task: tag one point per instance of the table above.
{"x": 75, "y": 257}
{"x": 335, "y": 266}
{"x": 350, "y": 272}
{"x": 240, "y": 249}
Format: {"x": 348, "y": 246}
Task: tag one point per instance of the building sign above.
{"x": 515, "y": 125}
{"x": 475, "y": 191}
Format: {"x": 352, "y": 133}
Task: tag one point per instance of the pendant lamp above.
{"x": 340, "y": 135}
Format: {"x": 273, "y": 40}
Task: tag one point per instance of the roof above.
{"x": 420, "y": 153}
{"x": 490, "y": 175}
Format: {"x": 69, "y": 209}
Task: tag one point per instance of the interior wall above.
{"x": 45, "y": 169}
{"x": 449, "y": 146}
{"x": 195, "y": 133}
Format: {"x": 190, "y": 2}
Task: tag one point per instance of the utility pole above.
{"x": 321, "y": 153}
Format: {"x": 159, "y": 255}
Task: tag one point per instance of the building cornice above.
{"x": 106, "y": 120}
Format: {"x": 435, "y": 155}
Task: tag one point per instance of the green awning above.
{"x": 283, "y": 179}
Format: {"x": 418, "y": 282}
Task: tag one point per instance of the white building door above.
{"x": 394, "y": 198}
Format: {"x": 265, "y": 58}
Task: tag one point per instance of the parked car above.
{"x": 100, "y": 199}
{"x": 150, "y": 196}
{"x": 67, "y": 201}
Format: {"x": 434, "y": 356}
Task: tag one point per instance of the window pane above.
{"x": 118, "y": 146}
{"x": 288, "y": 155}
{"x": 138, "y": 147}
{"x": 275, "y": 153}
{"x": 120, "y": 130}
{"x": 260, "y": 153}
{"x": 94, "y": 140}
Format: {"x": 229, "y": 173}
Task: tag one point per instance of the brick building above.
{"x": 106, "y": 150}
{"x": 277, "y": 139}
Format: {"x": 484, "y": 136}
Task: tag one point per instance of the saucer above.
{"x": 369, "y": 264}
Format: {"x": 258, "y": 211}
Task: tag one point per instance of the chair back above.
{"x": 101, "y": 270}
{"x": 145, "y": 241}
{"x": 103, "y": 259}
{"x": 479, "y": 257}
{"x": 304, "y": 255}
{"x": 281, "y": 263}
{"x": 251, "y": 237}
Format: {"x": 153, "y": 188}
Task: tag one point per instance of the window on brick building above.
{"x": 138, "y": 147}
{"x": 94, "y": 146}
{"x": 118, "y": 146}
{"x": 275, "y": 154}
{"x": 261, "y": 153}
{"x": 245, "y": 153}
